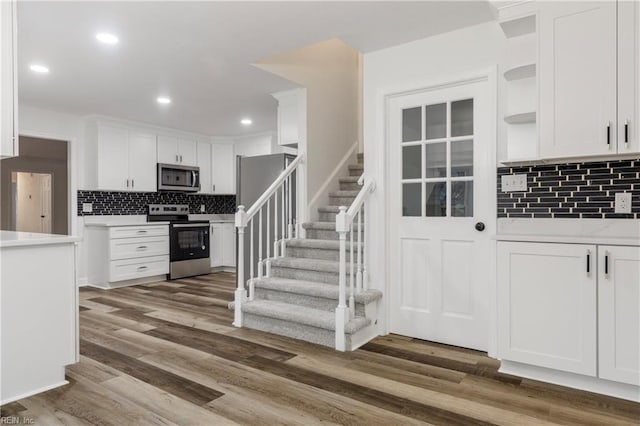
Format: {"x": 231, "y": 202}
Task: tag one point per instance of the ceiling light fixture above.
{"x": 246, "y": 121}
{"x": 40, "y": 69}
{"x": 107, "y": 38}
{"x": 163, "y": 100}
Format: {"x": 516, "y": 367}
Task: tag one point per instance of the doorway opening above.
{"x": 35, "y": 187}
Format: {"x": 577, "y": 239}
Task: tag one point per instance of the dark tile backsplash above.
{"x": 133, "y": 203}
{"x": 576, "y": 190}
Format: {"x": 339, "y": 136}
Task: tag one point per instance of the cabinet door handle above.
{"x": 214, "y": 188}
{"x": 606, "y": 263}
{"x": 609, "y": 133}
{"x": 588, "y": 261}
{"x": 626, "y": 131}
{"x": 127, "y": 183}
{"x": 181, "y": 158}
{"x": 132, "y": 183}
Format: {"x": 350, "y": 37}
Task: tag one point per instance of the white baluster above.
{"x": 275, "y": 224}
{"x": 359, "y": 248}
{"x": 241, "y": 293}
{"x": 365, "y": 272}
{"x": 260, "y": 262}
{"x": 268, "y": 258}
{"x": 352, "y": 304}
{"x": 251, "y": 262}
{"x": 283, "y": 249}
{"x": 290, "y": 224}
{"x": 342, "y": 311}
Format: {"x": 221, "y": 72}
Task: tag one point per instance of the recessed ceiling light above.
{"x": 246, "y": 121}
{"x": 40, "y": 69}
{"x": 107, "y": 38}
{"x": 163, "y": 100}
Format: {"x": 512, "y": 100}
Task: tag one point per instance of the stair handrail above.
{"x": 243, "y": 218}
{"x": 344, "y": 226}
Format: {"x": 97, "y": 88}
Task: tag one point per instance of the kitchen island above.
{"x": 38, "y": 312}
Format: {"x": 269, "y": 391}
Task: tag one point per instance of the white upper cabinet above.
{"x": 619, "y": 313}
{"x": 588, "y": 61}
{"x": 142, "y": 167}
{"x": 628, "y": 77}
{"x": 172, "y": 150}
{"x": 125, "y": 160}
{"x": 8, "y": 80}
{"x": 224, "y": 166}
{"x": 204, "y": 163}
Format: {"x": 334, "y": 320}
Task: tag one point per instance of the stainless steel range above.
{"x": 188, "y": 240}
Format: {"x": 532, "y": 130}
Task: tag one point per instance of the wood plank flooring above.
{"x": 166, "y": 354}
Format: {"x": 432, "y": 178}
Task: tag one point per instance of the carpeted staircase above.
{"x": 300, "y": 297}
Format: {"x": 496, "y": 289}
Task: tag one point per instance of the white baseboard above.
{"x": 83, "y": 282}
{"x": 127, "y": 283}
{"x": 572, "y": 380}
{"x": 33, "y": 392}
{"x": 321, "y": 197}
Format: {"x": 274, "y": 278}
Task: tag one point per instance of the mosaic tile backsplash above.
{"x": 135, "y": 203}
{"x": 576, "y": 190}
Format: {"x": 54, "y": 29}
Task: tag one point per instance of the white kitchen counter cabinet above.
{"x": 547, "y": 305}
{"x": 39, "y": 312}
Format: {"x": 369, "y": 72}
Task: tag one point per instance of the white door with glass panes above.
{"x": 442, "y": 213}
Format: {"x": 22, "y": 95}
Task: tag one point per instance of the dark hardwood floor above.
{"x": 166, "y": 354}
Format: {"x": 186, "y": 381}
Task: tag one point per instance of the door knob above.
{"x": 480, "y": 226}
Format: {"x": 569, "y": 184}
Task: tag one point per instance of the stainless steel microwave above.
{"x": 172, "y": 177}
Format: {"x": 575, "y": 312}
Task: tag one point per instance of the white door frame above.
{"x": 382, "y": 145}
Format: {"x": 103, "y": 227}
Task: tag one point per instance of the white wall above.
{"x": 405, "y": 67}
{"x": 329, "y": 72}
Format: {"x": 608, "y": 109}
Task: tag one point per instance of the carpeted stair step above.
{"x": 298, "y": 322}
{"x": 323, "y": 271}
{"x": 356, "y": 169}
{"x": 325, "y": 230}
{"x": 329, "y": 213}
{"x": 342, "y": 198}
{"x": 349, "y": 183}
{"x": 318, "y": 249}
{"x": 311, "y": 294}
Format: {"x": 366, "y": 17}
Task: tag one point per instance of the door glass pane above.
{"x": 436, "y": 121}
{"x": 462, "y": 199}
{"x": 462, "y": 118}
{"x": 412, "y": 162}
{"x": 411, "y": 196}
{"x": 436, "y": 160}
{"x": 462, "y": 158}
{"x": 412, "y": 124}
{"x": 436, "y": 198}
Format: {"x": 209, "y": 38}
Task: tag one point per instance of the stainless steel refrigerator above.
{"x": 254, "y": 175}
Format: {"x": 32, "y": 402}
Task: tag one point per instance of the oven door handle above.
{"x": 190, "y": 225}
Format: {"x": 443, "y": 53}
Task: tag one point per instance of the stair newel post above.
{"x": 241, "y": 292}
{"x": 260, "y": 262}
{"x": 342, "y": 311}
{"x": 268, "y": 258}
{"x": 359, "y": 248}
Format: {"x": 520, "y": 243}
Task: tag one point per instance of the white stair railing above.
{"x": 282, "y": 189}
{"x": 358, "y": 282}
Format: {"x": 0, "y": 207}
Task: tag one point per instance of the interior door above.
{"x": 442, "y": 210}
{"x": 45, "y": 217}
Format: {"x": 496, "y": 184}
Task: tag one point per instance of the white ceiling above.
{"x": 199, "y": 53}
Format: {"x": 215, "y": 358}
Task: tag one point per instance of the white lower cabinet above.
{"x": 123, "y": 253}
{"x": 547, "y": 305}
{"x": 574, "y": 308}
{"x": 223, "y": 245}
{"x": 619, "y": 313}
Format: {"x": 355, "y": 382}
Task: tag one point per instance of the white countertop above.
{"x": 112, "y": 224}
{"x": 17, "y": 239}
{"x": 625, "y": 232}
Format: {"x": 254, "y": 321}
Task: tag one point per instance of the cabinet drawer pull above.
{"x": 142, "y": 231}
{"x": 142, "y": 248}
{"x": 588, "y": 261}
{"x": 626, "y": 131}
{"x": 609, "y": 133}
{"x": 606, "y": 263}
{"x": 142, "y": 268}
